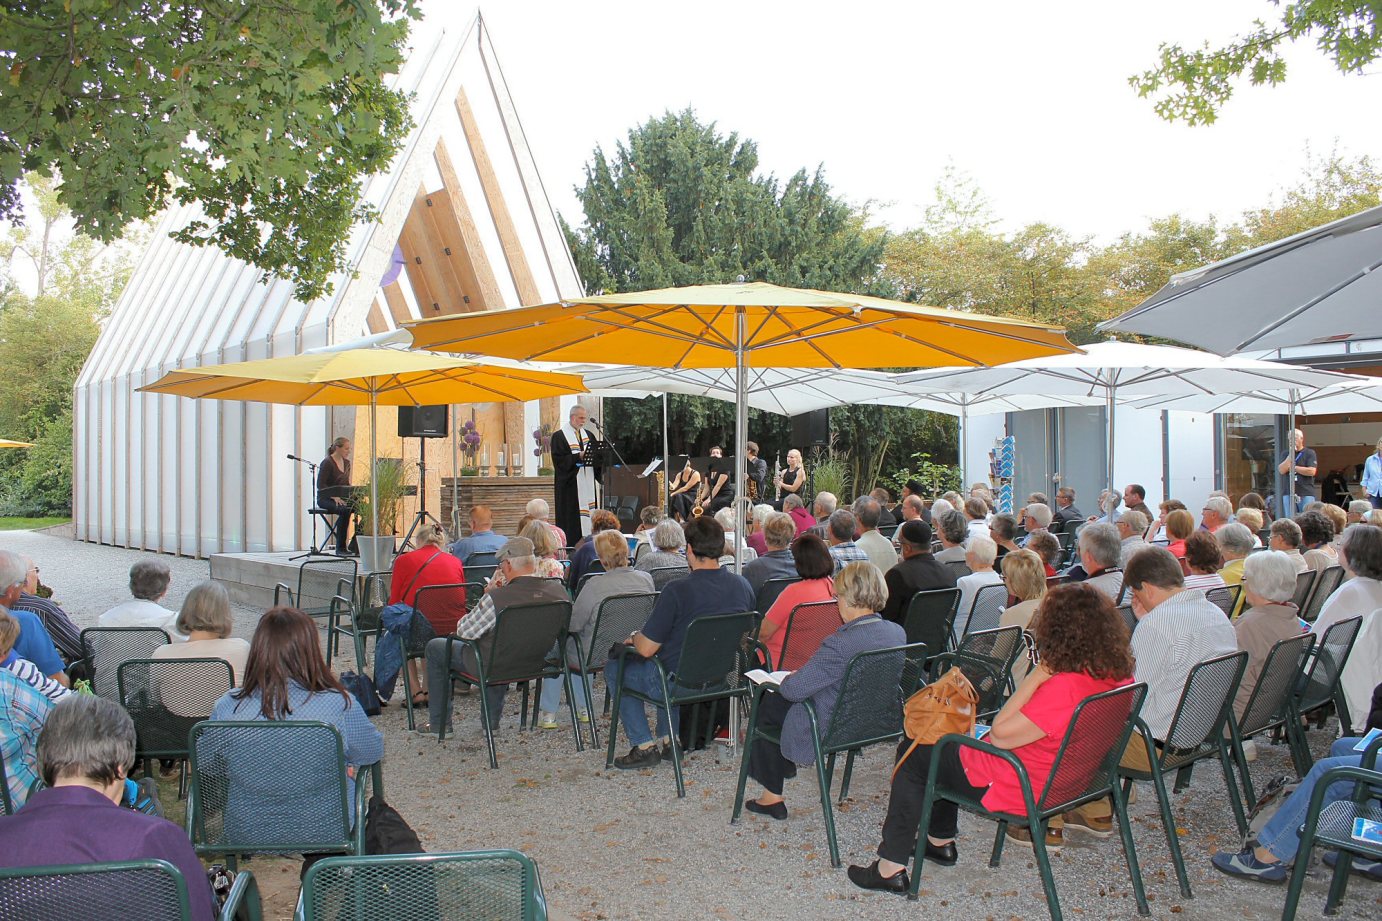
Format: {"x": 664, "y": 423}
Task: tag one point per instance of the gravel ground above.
{"x": 620, "y": 845}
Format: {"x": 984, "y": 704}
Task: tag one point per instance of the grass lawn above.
{"x": 26, "y": 524}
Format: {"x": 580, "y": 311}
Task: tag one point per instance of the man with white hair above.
{"x": 1131, "y": 526}
{"x": 33, "y": 643}
{"x": 1358, "y": 510}
{"x": 574, "y": 480}
{"x": 1216, "y": 513}
{"x": 1109, "y": 500}
{"x": 1101, "y": 553}
{"x": 1301, "y": 463}
{"x": 979, "y": 556}
{"x": 539, "y": 509}
{"x": 1036, "y": 516}
{"x": 823, "y": 506}
{"x": 521, "y": 587}
{"x": 1269, "y": 584}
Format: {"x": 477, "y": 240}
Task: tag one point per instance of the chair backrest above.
{"x": 644, "y": 548}
{"x": 1326, "y": 582}
{"x": 1331, "y": 655}
{"x": 666, "y": 575}
{"x": 1305, "y": 582}
{"x": 712, "y": 652}
{"x": 584, "y": 579}
{"x": 930, "y": 616}
{"x": 319, "y": 580}
{"x": 6, "y": 806}
{"x": 869, "y": 708}
{"x": 1057, "y": 579}
{"x": 480, "y": 572}
{"x": 151, "y": 890}
{"x": 1205, "y": 702}
{"x": 480, "y": 558}
{"x": 374, "y": 599}
{"x": 104, "y": 648}
{"x": 807, "y": 627}
{"x": 493, "y": 885}
{"x": 268, "y": 786}
{"x": 1092, "y": 746}
{"x": 768, "y": 592}
{"x": 523, "y": 635}
{"x": 1224, "y": 597}
{"x": 166, "y": 697}
{"x": 615, "y": 618}
{"x": 888, "y": 530}
{"x": 1282, "y": 670}
{"x": 986, "y": 658}
{"x": 1000, "y": 645}
{"x": 987, "y": 607}
{"x": 1065, "y": 539}
{"x": 443, "y": 605}
{"x": 1125, "y": 611}
{"x": 958, "y": 567}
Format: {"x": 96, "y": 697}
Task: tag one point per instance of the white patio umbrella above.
{"x": 1122, "y": 371}
{"x": 1317, "y": 286}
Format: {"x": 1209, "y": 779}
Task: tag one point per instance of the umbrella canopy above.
{"x": 742, "y": 326}
{"x": 1337, "y": 399}
{"x": 6, "y": 443}
{"x": 1125, "y": 370}
{"x": 365, "y": 377}
{"x": 1316, "y": 286}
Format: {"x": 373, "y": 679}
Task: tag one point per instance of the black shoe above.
{"x": 665, "y": 751}
{"x": 639, "y": 758}
{"x": 869, "y": 878}
{"x": 945, "y": 855}
{"x": 775, "y": 811}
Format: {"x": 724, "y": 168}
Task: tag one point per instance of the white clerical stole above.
{"x": 585, "y": 477}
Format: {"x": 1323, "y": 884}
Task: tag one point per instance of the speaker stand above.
{"x": 423, "y": 516}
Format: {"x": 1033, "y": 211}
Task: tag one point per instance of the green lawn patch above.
{"x": 28, "y": 524}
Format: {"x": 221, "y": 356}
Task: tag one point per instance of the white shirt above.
{"x": 1174, "y": 637}
{"x": 1355, "y": 598}
{"x": 140, "y": 613}
{"x": 977, "y": 528}
{"x": 969, "y": 587}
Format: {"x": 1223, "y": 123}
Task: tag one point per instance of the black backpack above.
{"x": 387, "y": 832}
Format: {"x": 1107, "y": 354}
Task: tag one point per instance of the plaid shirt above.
{"x": 23, "y": 711}
{"x": 479, "y": 620}
{"x": 848, "y": 552}
{"x": 65, "y": 635}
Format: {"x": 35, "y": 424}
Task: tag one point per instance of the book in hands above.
{"x": 1365, "y": 741}
{"x": 1368, "y": 831}
{"x": 758, "y": 676}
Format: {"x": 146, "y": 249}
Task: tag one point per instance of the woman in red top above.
{"x": 816, "y": 567}
{"x": 1084, "y": 651}
{"x": 429, "y": 564}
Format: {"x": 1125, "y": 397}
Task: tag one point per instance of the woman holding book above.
{"x": 861, "y": 594}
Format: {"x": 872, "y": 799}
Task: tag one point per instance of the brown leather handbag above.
{"x": 946, "y": 705}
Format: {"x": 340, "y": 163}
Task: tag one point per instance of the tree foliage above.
{"x": 268, "y": 114}
{"x": 1193, "y": 85}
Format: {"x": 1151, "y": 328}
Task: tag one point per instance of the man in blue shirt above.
{"x": 1372, "y": 476}
{"x": 482, "y": 538}
{"x": 707, "y": 590}
{"x": 34, "y": 643}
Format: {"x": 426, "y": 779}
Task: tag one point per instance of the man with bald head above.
{"x": 482, "y": 538}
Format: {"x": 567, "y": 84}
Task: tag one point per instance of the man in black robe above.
{"x": 574, "y": 481}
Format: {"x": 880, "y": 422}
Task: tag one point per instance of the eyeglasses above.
{"x": 34, "y": 570}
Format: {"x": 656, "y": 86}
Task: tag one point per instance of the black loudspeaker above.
{"x": 422, "y": 421}
{"x": 811, "y": 429}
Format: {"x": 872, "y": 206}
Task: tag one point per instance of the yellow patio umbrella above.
{"x": 745, "y": 325}
{"x": 366, "y": 377}
{"x": 6, "y": 443}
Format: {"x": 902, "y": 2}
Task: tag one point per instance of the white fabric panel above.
{"x": 1137, "y": 451}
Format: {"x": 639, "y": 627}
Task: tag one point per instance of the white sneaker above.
{"x": 583, "y": 716}
{"x": 546, "y": 720}
{"x": 1250, "y": 750}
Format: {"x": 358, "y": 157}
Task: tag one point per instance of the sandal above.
{"x": 419, "y": 698}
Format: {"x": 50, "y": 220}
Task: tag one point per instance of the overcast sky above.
{"x": 1030, "y": 99}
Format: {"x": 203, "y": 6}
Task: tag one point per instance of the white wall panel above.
{"x": 1191, "y": 458}
{"x": 1137, "y": 451}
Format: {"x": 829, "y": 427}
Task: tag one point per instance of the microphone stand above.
{"x": 314, "y": 550}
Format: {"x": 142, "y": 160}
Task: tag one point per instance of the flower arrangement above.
{"x": 471, "y": 439}
{"x": 542, "y": 439}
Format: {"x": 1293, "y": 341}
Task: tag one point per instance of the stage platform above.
{"x": 250, "y": 577}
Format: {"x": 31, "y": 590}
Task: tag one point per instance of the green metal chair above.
{"x": 1305, "y": 584}
{"x": 361, "y": 620}
{"x": 1332, "y": 827}
{"x": 481, "y": 573}
{"x": 615, "y": 618}
{"x": 986, "y": 658}
{"x": 442, "y": 606}
{"x": 150, "y": 890}
{"x": 1329, "y": 579}
{"x": 272, "y": 787}
{"x": 1225, "y": 598}
{"x": 514, "y": 652}
{"x": 1085, "y": 770}
{"x": 166, "y": 698}
{"x": 499, "y": 885}
{"x": 986, "y": 609}
{"x": 1320, "y": 687}
{"x": 321, "y": 579}
{"x": 711, "y": 668}
{"x": 867, "y": 712}
{"x": 1197, "y": 732}
{"x": 104, "y": 648}
{"x": 768, "y": 592}
{"x": 930, "y": 619}
{"x": 1269, "y": 706}
{"x": 666, "y": 575}
{"x": 807, "y": 627}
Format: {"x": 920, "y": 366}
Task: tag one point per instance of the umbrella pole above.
{"x": 1291, "y": 449}
{"x": 373, "y": 460}
{"x": 1109, "y": 404}
{"x": 964, "y": 439}
{"x": 455, "y": 475}
{"x": 741, "y": 428}
{"x": 666, "y": 463}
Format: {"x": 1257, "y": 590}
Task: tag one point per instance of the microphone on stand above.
{"x": 294, "y": 457}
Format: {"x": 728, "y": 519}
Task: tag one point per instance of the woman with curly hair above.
{"x": 1317, "y": 540}
{"x": 1204, "y": 559}
{"x": 1084, "y": 650}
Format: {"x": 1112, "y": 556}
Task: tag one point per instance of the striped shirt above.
{"x": 32, "y": 675}
{"x": 64, "y": 634}
{"x": 1174, "y": 637}
{"x": 23, "y": 711}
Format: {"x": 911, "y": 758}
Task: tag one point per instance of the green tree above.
{"x": 1193, "y": 86}
{"x": 1332, "y": 187}
{"x": 269, "y": 115}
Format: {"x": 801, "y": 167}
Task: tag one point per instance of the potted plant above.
{"x": 471, "y": 439}
{"x": 377, "y": 550}
{"x": 542, "y": 439}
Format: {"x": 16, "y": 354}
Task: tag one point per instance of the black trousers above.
{"x": 341, "y": 528}
{"x": 767, "y": 765}
{"x": 681, "y": 505}
{"x": 908, "y": 792}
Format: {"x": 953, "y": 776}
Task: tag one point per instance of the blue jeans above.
{"x": 551, "y": 693}
{"x": 1281, "y": 834}
{"x": 1301, "y": 502}
{"x": 640, "y": 675}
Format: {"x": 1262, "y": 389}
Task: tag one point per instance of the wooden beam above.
{"x": 422, "y": 269}
{"x": 528, "y": 293}
{"x": 456, "y": 291}
{"x": 461, "y": 223}
{"x": 374, "y": 320}
{"x": 398, "y": 304}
